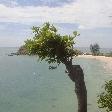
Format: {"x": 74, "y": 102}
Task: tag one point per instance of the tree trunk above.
{"x": 76, "y": 75}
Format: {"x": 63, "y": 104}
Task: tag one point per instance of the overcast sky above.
{"x": 92, "y": 18}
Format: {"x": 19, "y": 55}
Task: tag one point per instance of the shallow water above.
{"x": 27, "y": 85}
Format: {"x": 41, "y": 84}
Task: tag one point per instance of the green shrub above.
{"x": 105, "y": 98}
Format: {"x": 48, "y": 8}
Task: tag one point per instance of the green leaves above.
{"x": 105, "y": 98}
{"x": 49, "y": 45}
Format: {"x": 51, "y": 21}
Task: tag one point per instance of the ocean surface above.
{"x": 27, "y": 85}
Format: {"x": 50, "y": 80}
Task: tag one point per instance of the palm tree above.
{"x": 55, "y": 48}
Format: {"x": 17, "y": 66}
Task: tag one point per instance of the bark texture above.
{"x": 76, "y": 74}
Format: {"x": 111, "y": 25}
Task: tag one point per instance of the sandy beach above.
{"x": 101, "y": 58}
{"x": 106, "y": 60}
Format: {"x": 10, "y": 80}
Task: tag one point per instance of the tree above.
{"x": 95, "y": 49}
{"x": 55, "y": 48}
{"x": 109, "y": 54}
{"x": 105, "y": 98}
{"x": 22, "y": 50}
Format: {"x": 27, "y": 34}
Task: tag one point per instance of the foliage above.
{"x": 105, "y": 98}
{"x": 78, "y": 52}
{"x": 51, "y": 46}
{"x": 22, "y": 50}
{"x": 95, "y": 49}
{"x": 109, "y": 54}
{"x": 101, "y": 54}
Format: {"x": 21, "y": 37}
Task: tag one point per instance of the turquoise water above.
{"x": 27, "y": 85}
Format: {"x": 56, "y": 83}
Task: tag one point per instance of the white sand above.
{"x": 100, "y": 58}
{"x": 106, "y": 60}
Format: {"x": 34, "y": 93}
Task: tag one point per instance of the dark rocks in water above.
{"x": 52, "y": 67}
{"x": 14, "y": 53}
{"x": 21, "y": 51}
{"x": 10, "y": 54}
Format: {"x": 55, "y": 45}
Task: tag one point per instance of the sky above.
{"x": 91, "y": 18}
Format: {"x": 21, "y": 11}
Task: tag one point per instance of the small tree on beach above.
{"x": 95, "y": 49}
{"x": 105, "y": 98}
{"x": 55, "y": 48}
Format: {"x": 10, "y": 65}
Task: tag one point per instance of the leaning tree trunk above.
{"x": 76, "y": 75}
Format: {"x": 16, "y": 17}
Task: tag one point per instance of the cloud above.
{"x": 50, "y": 3}
{"x": 85, "y": 13}
{"x": 10, "y": 3}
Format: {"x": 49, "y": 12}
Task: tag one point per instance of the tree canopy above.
{"x": 95, "y": 49}
{"x": 48, "y": 44}
{"x": 105, "y": 98}
{"x": 53, "y": 47}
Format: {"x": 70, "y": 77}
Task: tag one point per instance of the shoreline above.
{"x": 106, "y": 60}
{"x": 100, "y": 58}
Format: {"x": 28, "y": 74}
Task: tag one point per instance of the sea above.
{"x": 27, "y": 85}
